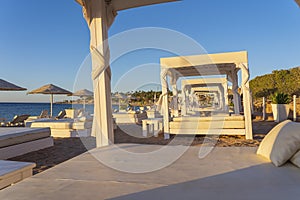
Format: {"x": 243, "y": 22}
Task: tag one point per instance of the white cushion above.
{"x": 281, "y": 143}
{"x": 296, "y": 159}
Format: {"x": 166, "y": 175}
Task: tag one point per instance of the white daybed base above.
{"x": 227, "y": 173}
{"x": 64, "y": 128}
{"x": 23, "y": 148}
{"x": 18, "y": 141}
{"x": 12, "y": 172}
{"x": 215, "y": 125}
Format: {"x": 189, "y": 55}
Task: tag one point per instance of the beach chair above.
{"x": 80, "y": 113}
{"x": 44, "y": 114}
{"x": 18, "y": 120}
{"x": 2, "y": 121}
{"x": 61, "y": 114}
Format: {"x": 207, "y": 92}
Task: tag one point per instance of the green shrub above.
{"x": 280, "y": 98}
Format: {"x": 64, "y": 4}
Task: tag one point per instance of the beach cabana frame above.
{"x": 100, "y": 15}
{"x": 215, "y": 91}
{"x": 228, "y": 64}
{"x": 188, "y": 86}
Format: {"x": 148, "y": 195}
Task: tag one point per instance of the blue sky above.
{"x": 45, "y": 42}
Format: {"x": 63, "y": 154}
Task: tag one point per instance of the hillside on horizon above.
{"x": 285, "y": 80}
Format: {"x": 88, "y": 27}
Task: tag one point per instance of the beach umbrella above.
{"x": 51, "y": 90}
{"x": 7, "y": 86}
{"x": 120, "y": 96}
{"x": 100, "y": 15}
{"x": 83, "y": 94}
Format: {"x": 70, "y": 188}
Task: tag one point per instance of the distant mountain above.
{"x": 287, "y": 81}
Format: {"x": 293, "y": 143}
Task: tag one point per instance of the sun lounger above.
{"x": 18, "y": 120}
{"x": 44, "y": 114}
{"x": 61, "y": 114}
{"x": 2, "y": 121}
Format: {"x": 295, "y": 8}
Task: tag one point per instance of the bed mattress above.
{"x": 14, "y": 135}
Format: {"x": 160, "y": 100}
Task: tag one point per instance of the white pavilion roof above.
{"x": 204, "y": 65}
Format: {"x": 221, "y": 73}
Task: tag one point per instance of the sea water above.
{"x": 9, "y": 110}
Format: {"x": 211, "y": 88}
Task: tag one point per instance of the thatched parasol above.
{"x": 50, "y": 89}
{"x": 83, "y": 94}
{"x": 7, "y": 86}
{"x": 120, "y": 96}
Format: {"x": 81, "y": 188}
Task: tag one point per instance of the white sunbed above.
{"x": 65, "y": 127}
{"x": 15, "y": 141}
{"x": 12, "y": 172}
{"x": 227, "y": 173}
{"x": 131, "y": 171}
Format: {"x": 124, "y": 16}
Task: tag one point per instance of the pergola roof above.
{"x": 203, "y": 82}
{"x": 204, "y": 65}
{"x": 126, "y": 4}
{"x": 206, "y": 89}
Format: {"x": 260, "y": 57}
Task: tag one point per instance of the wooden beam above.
{"x": 208, "y": 132}
{"x": 127, "y": 4}
{"x": 206, "y": 59}
{"x": 204, "y": 81}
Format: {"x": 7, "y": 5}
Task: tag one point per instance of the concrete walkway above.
{"x": 225, "y": 173}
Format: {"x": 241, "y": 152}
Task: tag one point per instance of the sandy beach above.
{"x": 67, "y": 148}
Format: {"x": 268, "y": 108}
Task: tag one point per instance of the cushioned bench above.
{"x": 12, "y": 136}
{"x": 129, "y": 117}
{"x": 18, "y": 141}
{"x": 64, "y": 127}
{"x": 12, "y": 172}
{"x": 215, "y": 125}
{"x": 226, "y": 173}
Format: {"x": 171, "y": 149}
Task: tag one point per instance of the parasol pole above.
{"x": 84, "y": 98}
{"x": 51, "y": 105}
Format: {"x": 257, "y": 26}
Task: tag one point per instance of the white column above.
{"x": 188, "y": 99}
{"x": 295, "y": 108}
{"x": 99, "y": 20}
{"x": 264, "y": 109}
{"x": 144, "y": 128}
{"x": 222, "y": 98}
{"x": 251, "y": 102}
{"x": 173, "y": 82}
{"x": 246, "y": 100}
{"x": 165, "y": 103}
{"x": 225, "y": 87}
{"x": 218, "y": 98}
{"x": 235, "y": 87}
{"x": 183, "y": 100}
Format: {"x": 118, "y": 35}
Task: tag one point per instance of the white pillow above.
{"x": 296, "y": 159}
{"x": 281, "y": 143}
